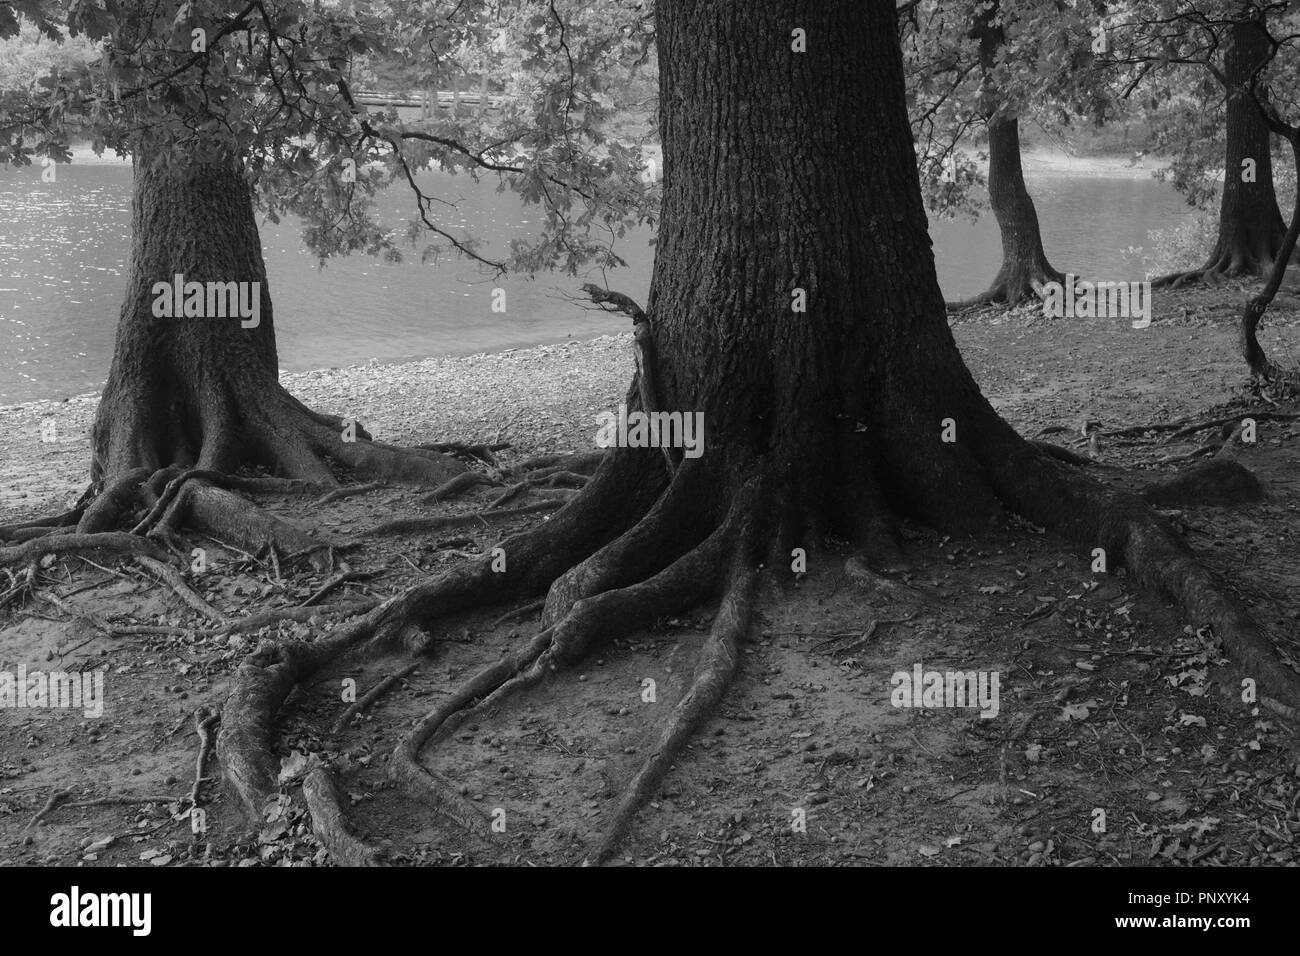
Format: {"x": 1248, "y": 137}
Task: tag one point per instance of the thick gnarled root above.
{"x": 1056, "y": 497}
{"x": 544, "y": 471}
{"x": 330, "y": 824}
{"x": 719, "y": 661}
{"x": 108, "y": 541}
{"x": 262, "y": 684}
{"x": 603, "y": 614}
{"x": 265, "y": 680}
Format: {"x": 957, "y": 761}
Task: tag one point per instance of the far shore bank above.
{"x": 1036, "y": 160}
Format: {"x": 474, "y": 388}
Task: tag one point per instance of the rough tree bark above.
{"x": 783, "y": 171}
{"x": 1024, "y": 263}
{"x": 1251, "y": 227}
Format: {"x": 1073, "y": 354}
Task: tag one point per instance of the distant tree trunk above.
{"x": 1251, "y": 228}
{"x": 1024, "y": 263}
{"x": 1248, "y": 340}
{"x": 204, "y": 391}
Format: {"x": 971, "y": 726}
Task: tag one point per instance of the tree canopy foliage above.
{"x": 272, "y": 83}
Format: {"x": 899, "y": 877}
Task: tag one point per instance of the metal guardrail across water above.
{"x": 442, "y": 99}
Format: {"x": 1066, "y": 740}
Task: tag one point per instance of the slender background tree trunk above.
{"x": 1250, "y": 225}
{"x": 1024, "y": 263}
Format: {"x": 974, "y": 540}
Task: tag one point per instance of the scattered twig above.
{"x": 371, "y": 696}
{"x": 524, "y": 611}
{"x": 255, "y": 622}
{"x": 59, "y": 799}
{"x": 456, "y": 486}
{"x": 204, "y": 720}
{"x": 404, "y": 525}
{"x": 347, "y": 492}
{"x": 334, "y": 582}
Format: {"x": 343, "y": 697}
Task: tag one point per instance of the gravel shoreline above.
{"x": 540, "y": 399}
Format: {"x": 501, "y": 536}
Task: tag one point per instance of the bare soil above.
{"x": 1109, "y": 703}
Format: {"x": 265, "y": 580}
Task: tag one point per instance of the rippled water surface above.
{"x": 63, "y": 247}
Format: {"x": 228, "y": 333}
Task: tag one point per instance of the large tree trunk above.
{"x": 203, "y": 391}
{"x": 1251, "y": 228}
{"x": 1024, "y": 263}
{"x": 819, "y": 195}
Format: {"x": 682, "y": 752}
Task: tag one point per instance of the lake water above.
{"x": 63, "y": 249}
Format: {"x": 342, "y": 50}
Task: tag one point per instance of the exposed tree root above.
{"x": 65, "y": 520}
{"x": 483, "y": 451}
{"x": 1055, "y": 497}
{"x": 583, "y": 463}
{"x": 62, "y": 799}
{"x": 1011, "y": 286}
{"x": 559, "y": 479}
{"x": 20, "y": 586}
{"x": 571, "y": 471}
{"x": 175, "y": 486}
{"x": 669, "y": 559}
{"x": 1226, "y": 264}
{"x": 531, "y": 607}
{"x": 109, "y": 541}
{"x": 330, "y": 825}
{"x": 1223, "y": 444}
{"x": 187, "y": 594}
{"x": 86, "y": 617}
{"x": 381, "y": 462}
{"x": 1215, "y": 482}
{"x": 874, "y": 584}
{"x": 719, "y": 661}
{"x": 204, "y": 720}
{"x": 114, "y": 502}
{"x": 228, "y": 517}
{"x": 349, "y": 491}
{"x": 268, "y": 676}
{"x": 1067, "y": 456}
{"x": 262, "y": 683}
{"x": 297, "y": 446}
{"x": 603, "y": 510}
{"x": 408, "y": 525}
{"x": 457, "y": 486}
{"x": 342, "y": 578}
{"x": 255, "y": 622}
{"x": 1214, "y": 274}
{"x": 40, "y": 531}
{"x": 1199, "y": 452}
{"x": 590, "y": 613}
{"x": 1234, "y": 420}
{"x": 372, "y": 695}
{"x": 1192, "y": 424}
{"x": 174, "y": 493}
